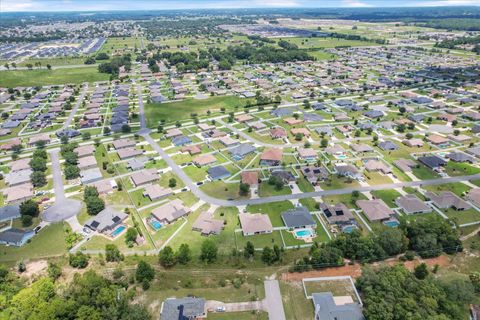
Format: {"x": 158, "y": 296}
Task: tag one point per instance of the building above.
{"x": 447, "y": 199}
{"x": 143, "y": 177}
{"x": 387, "y": 146}
{"x": 90, "y": 175}
{"x": 87, "y": 162}
{"x": 17, "y": 178}
{"x": 155, "y": 192}
{"x": 20, "y": 164}
{"x": 123, "y": 143}
{"x": 361, "y": 147}
{"x": 271, "y": 157}
{"x": 328, "y": 308}
{"x": 204, "y": 159}
{"x": 183, "y": 309}
{"x": 105, "y": 186}
{"x": 278, "y": 133}
{"x": 10, "y": 212}
{"x": 338, "y": 214}
{"x": 307, "y": 154}
{"x": 432, "y": 162}
{"x": 106, "y": 220}
{"x": 179, "y": 141}
{"x": 415, "y": 142}
{"x": 137, "y": 163}
{"x": 461, "y": 157}
{"x": 241, "y": 151}
{"x": 375, "y": 210}
{"x": 243, "y": 118}
{"x": 406, "y": 165}
{"x": 437, "y": 140}
{"x": 126, "y": 153}
{"x": 170, "y": 212}
{"x": 374, "y": 165}
{"x": 255, "y": 223}
{"x": 16, "y": 237}
{"x": 474, "y": 196}
{"x": 297, "y": 218}
{"x": 207, "y": 225}
{"x": 347, "y": 170}
{"x": 18, "y": 193}
{"x": 83, "y": 151}
{"x": 411, "y": 204}
{"x": 315, "y": 174}
{"x": 249, "y": 177}
{"x": 218, "y": 172}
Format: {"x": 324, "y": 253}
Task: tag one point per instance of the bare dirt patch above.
{"x": 35, "y": 268}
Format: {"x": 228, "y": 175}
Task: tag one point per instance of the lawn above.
{"x": 340, "y": 287}
{"x": 48, "y": 242}
{"x": 267, "y": 190}
{"x": 456, "y": 187}
{"x": 376, "y": 178}
{"x": 460, "y": 169}
{"x": 337, "y": 182}
{"x": 388, "y": 196}
{"x": 346, "y": 199}
{"x": 273, "y": 210}
{"x": 222, "y": 190}
{"x": 27, "y": 78}
{"x": 180, "y": 110}
{"x": 462, "y": 217}
{"x": 295, "y": 304}
{"x": 259, "y": 241}
{"x": 424, "y": 173}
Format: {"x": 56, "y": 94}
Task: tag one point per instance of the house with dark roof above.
{"x": 432, "y": 162}
{"x": 461, "y": 157}
{"x": 241, "y": 151}
{"x": 373, "y": 114}
{"x": 16, "y": 237}
{"x": 181, "y": 141}
{"x": 338, "y": 214}
{"x": 387, "y": 145}
{"x": 8, "y": 213}
{"x": 326, "y": 308}
{"x": 447, "y": 199}
{"x": 218, "y": 172}
{"x": 183, "y": 309}
{"x": 106, "y": 220}
{"x": 298, "y": 218}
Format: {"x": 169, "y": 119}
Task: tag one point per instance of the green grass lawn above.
{"x": 376, "y": 178}
{"x": 457, "y": 187}
{"x": 460, "y": 169}
{"x": 337, "y": 182}
{"x": 47, "y": 243}
{"x": 304, "y": 185}
{"x": 259, "y": 241}
{"x": 222, "y": 190}
{"x": 180, "y": 110}
{"x": 26, "y": 78}
{"x": 295, "y": 304}
{"x": 273, "y": 210}
{"x": 388, "y": 196}
{"x": 267, "y": 190}
{"x": 464, "y": 216}
{"x": 346, "y": 199}
{"x": 424, "y": 173}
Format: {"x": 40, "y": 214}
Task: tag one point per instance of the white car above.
{"x": 220, "y": 309}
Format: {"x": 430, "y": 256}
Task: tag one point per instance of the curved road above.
{"x": 228, "y": 203}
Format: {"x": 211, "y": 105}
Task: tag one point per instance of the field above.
{"x": 180, "y": 110}
{"x": 28, "y": 78}
{"x": 312, "y": 43}
{"x": 57, "y": 61}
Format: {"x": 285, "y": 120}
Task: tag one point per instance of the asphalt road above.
{"x": 57, "y": 175}
{"x": 273, "y": 300}
{"x": 75, "y": 108}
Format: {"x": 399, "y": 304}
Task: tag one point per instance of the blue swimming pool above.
{"x": 304, "y": 233}
{"x": 392, "y": 223}
{"x": 155, "y": 224}
{"x": 349, "y": 229}
{"x": 118, "y": 230}
{"x": 341, "y": 156}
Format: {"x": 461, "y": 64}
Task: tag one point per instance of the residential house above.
{"x": 249, "y": 177}
{"x": 411, "y": 204}
{"x": 338, "y": 214}
{"x": 206, "y": 224}
{"x": 405, "y": 165}
{"x": 87, "y": 162}
{"x": 170, "y": 212}
{"x": 241, "y": 151}
{"x": 315, "y": 174}
{"x": 106, "y": 221}
{"x": 144, "y": 177}
{"x": 415, "y": 142}
{"x": 328, "y": 308}
{"x": 19, "y": 177}
{"x": 387, "y": 146}
{"x": 18, "y": 193}
{"x": 218, "y": 172}
{"x": 155, "y": 192}
{"x": 105, "y": 186}
{"x": 347, "y": 170}
{"x": 297, "y": 218}
{"x": 374, "y": 165}
{"x": 437, "y": 140}
{"x": 278, "y": 133}
{"x": 307, "y": 154}
{"x": 432, "y": 162}
{"x": 474, "y": 196}
{"x": 90, "y": 175}
{"x": 9, "y": 212}
{"x": 204, "y": 159}
{"x": 375, "y": 210}
{"x": 179, "y": 141}
{"x": 255, "y": 223}
{"x": 123, "y": 143}
{"x": 271, "y": 157}
{"x": 461, "y": 157}
{"x": 83, "y": 151}
{"x": 15, "y": 237}
{"x": 188, "y": 308}
{"x": 447, "y": 200}
{"x": 129, "y": 152}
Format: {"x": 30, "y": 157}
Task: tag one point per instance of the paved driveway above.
{"x": 212, "y": 305}
{"x": 273, "y": 300}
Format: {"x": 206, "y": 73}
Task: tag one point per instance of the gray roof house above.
{"x": 106, "y": 220}
{"x": 90, "y": 175}
{"x": 16, "y": 237}
{"x": 218, "y": 172}
{"x": 181, "y": 141}
{"x": 242, "y": 150}
{"x": 411, "y": 204}
{"x": 327, "y": 309}
{"x": 9, "y": 212}
{"x": 281, "y": 112}
{"x": 183, "y": 309}
{"x": 461, "y": 157}
{"x": 373, "y": 114}
{"x": 447, "y": 199}
{"x": 298, "y": 217}
{"x": 348, "y": 170}
{"x": 387, "y": 145}
{"x": 19, "y": 177}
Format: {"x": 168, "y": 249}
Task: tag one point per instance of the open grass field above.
{"x": 312, "y": 43}
{"x": 180, "y": 110}
{"x": 388, "y": 196}
{"x": 57, "y": 61}
{"x": 28, "y": 78}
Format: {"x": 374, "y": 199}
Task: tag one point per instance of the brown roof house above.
{"x": 155, "y": 192}
{"x": 105, "y": 186}
{"x": 338, "y": 214}
{"x": 411, "y": 204}
{"x": 207, "y": 225}
{"x": 175, "y": 132}
{"x": 406, "y": 165}
{"x": 143, "y": 177}
{"x": 20, "y": 164}
{"x": 437, "y": 140}
{"x": 83, "y": 151}
{"x": 87, "y": 162}
{"x": 447, "y": 199}
{"x": 474, "y": 196}
{"x": 278, "y": 133}
{"x": 307, "y": 154}
{"x": 250, "y": 177}
{"x": 192, "y": 149}
{"x": 129, "y": 152}
{"x": 374, "y": 165}
{"x": 375, "y": 210}
{"x": 255, "y": 223}
{"x": 123, "y": 143}
{"x": 204, "y": 159}
{"x": 18, "y": 193}
{"x": 170, "y": 212}
{"x": 271, "y": 157}
{"x": 413, "y": 142}
{"x": 243, "y": 118}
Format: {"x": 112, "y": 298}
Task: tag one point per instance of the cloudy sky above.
{"x": 94, "y": 5}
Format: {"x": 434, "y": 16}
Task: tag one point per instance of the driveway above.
{"x": 273, "y": 300}
{"x": 212, "y": 305}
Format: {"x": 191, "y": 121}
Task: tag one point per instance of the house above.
{"x": 415, "y": 142}
{"x": 347, "y": 170}
{"x": 437, "y": 140}
{"x": 411, "y": 204}
{"x": 143, "y": 177}
{"x": 324, "y": 130}
{"x": 18, "y": 193}
{"x": 105, "y": 186}
{"x": 432, "y": 162}
{"x": 90, "y": 175}
{"x": 361, "y": 147}
{"x": 281, "y": 112}
{"x": 461, "y": 138}
{"x": 292, "y": 121}
{"x": 204, "y": 159}
{"x": 179, "y": 141}
{"x": 205, "y": 126}
{"x": 228, "y": 142}
{"x": 207, "y": 225}
{"x": 19, "y": 165}
{"x": 19, "y": 177}
{"x": 374, "y": 165}
{"x": 183, "y": 309}
{"x": 375, "y": 210}
{"x": 40, "y": 138}
{"x": 249, "y": 177}
{"x": 416, "y": 117}
{"x": 297, "y": 218}
{"x": 406, "y": 165}
{"x": 174, "y": 132}
{"x": 83, "y": 151}
{"x": 155, "y": 192}
{"x": 307, "y": 154}
{"x": 300, "y": 131}
{"x": 284, "y": 175}
{"x": 9, "y": 212}
{"x": 461, "y": 157}
{"x": 257, "y": 125}
{"x": 315, "y": 174}
{"x": 137, "y": 163}
{"x": 475, "y": 151}
{"x": 170, "y": 212}
{"x": 255, "y": 223}
{"x": 335, "y": 150}
{"x": 338, "y": 214}
{"x": 126, "y": 153}
{"x": 447, "y": 199}
{"x": 271, "y": 157}
{"x": 474, "y": 196}
{"x": 192, "y": 150}
{"x": 123, "y": 143}
{"x": 387, "y": 145}
{"x": 241, "y": 151}
{"x": 106, "y": 221}
{"x": 16, "y": 237}
{"x": 373, "y": 114}
{"x": 328, "y": 308}
{"x": 243, "y": 118}
{"x": 218, "y": 172}
{"x": 87, "y": 162}
{"x": 278, "y": 133}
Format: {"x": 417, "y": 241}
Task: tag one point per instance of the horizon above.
{"x": 27, "y": 6}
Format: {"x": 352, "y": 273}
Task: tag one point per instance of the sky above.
{"x": 98, "y": 5}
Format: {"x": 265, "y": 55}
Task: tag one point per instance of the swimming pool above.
{"x": 155, "y": 224}
{"x": 349, "y": 229}
{"x": 341, "y": 156}
{"x": 392, "y": 223}
{"x": 118, "y": 230}
{"x": 304, "y": 233}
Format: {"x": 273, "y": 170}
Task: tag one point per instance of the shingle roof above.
{"x": 297, "y": 217}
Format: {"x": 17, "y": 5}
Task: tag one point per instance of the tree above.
{"x": 71, "y": 171}
{"x": 144, "y": 272}
{"x": 421, "y": 271}
{"x": 475, "y": 280}
{"x": 49, "y": 67}
{"x": 90, "y": 191}
{"x": 131, "y": 235}
{"x": 393, "y": 241}
{"x": 94, "y": 205}
{"x": 208, "y": 251}
{"x": 324, "y": 143}
{"x": 29, "y": 208}
{"x": 184, "y": 254}
{"x": 78, "y": 260}
{"x": 86, "y": 136}
{"x": 244, "y": 189}
{"x": 249, "y": 250}
{"x": 166, "y": 257}
{"x": 26, "y": 221}
{"x": 54, "y": 271}
{"x": 38, "y": 164}
{"x": 172, "y": 182}
{"x": 38, "y": 179}
{"x": 267, "y": 255}
{"x": 112, "y": 253}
